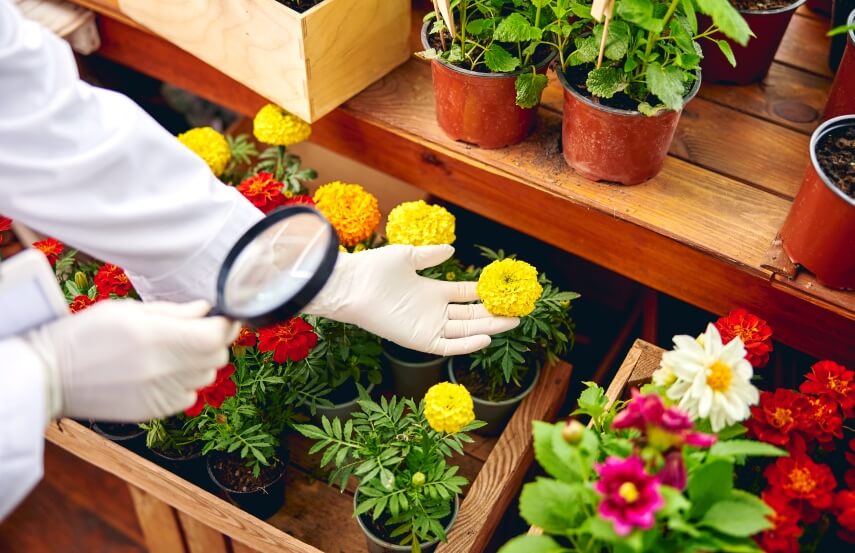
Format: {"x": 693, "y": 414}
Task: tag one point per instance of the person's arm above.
{"x": 92, "y": 169}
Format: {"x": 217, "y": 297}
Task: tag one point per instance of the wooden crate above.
{"x": 308, "y": 63}
{"x": 177, "y": 516}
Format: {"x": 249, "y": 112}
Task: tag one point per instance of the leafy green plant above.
{"x": 405, "y": 483}
{"x": 285, "y": 168}
{"x": 344, "y": 352}
{"x": 651, "y": 57}
{"x": 542, "y": 337}
{"x": 497, "y": 36}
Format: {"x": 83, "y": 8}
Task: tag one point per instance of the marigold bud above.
{"x": 573, "y": 432}
{"x": 419, "y": 479}
{"x": 222, "y": 419}
{"x": 81, "y": 281}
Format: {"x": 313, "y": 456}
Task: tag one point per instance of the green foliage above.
{"x": 399, "y": 462}
{"x": 285, "y": 168}
{"x": 243, "y": 151}
{"x": 344, "y": 352}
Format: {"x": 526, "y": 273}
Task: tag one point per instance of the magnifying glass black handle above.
{"x": 216, "y": 312}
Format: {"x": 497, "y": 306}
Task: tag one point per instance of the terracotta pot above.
{"x": 752, "y": 61}
{"x": 839, "y": 15}
{"x": 819, "y": 229}
{"x": 841, "y": 99}
{"x": 822, "y": 7}
{"x": 615, "y": 145}
{"x": 480, "y": 108}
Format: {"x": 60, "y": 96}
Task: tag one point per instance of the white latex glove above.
{"x": 126, "y": 361}
{"x": 380, "y": 291}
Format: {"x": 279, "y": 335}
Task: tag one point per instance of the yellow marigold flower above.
{"x": 448, "y": 407}
{"x": 420, "y": 224}
{"x": 275, "y": 126}
{"x": 210, "y": 145}
{"x": 352, "y": 211}
{"x": 509, "y": 288}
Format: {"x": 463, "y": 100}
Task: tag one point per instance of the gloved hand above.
{"x": 126, "y": 361}
{"x": 380, "y": 291}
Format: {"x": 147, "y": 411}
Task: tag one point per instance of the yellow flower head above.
{"x": 210, "y": 145}
{"x": 275, "y": 126}
{"x": 353, "y": 212}
{"x": 509, "y": 288}
{"x": 420, "y": 224}
{"x": 448, "y": 407}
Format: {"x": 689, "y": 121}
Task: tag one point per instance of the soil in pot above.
{"x": 187, "y": 462}
{"x": 300, "y": 6}
{"x": 836, "y": 155}
{"x": 479, "y": 385}
{"x": 261, "y": 495}
{"x": 759, "y": 5}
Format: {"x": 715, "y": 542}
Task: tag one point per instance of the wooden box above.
{"x": 177, "y": 516}
{"x": 309, "y": 63}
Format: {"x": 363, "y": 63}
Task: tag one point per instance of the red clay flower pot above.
{"x": 615, "y": 145}
{"x": 819, "y": 229}
{"x": 841, "y": 99}
{"x": 752, "y": 61}
{"x": 822, "y": 7}
{"x": 480, "y": 108}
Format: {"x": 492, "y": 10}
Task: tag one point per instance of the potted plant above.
{"x": 489, "y": 70}
{"x": 768, "y": 20}
{"x": 625, "y": 86}
{"x": 839, "y": 15}
{"x": 817, "y": 231}
{"x": 503, "y": 373}
{"x": 397, "y": 451}
{"x": 175, "y": 446}
{"x": 841, "y": 98}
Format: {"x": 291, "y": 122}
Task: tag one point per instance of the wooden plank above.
{"x": 491, "y": 493}
{"x": 649, "y": 360}
{"x": 777, "y": 260}
{"x": 238, "y": 547}
{"x": 805, "y": 46}
{"x": 199, "y": 537}
{"x": 805, "y": 285}
{"x": 158, "y": 522}
{"x": 173, "y": 490}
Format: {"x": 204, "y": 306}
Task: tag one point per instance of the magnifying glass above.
{"x": 277, "y": 267}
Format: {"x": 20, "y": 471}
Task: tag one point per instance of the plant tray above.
{"x": 178, "y": 516}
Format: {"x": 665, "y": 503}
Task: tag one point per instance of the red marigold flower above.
{"x": 754, "y": 332}
{"x": 778, "y": 415}
{"x": 81, "y": 302}
{"x": 263, "y": 191}
{"x": 784, "y": 537}
{"x": 844, "y": 507}
{"x": 291, "y": 340}
{"x": 51, "y": 248}
{"x": 5, "y": 223}
{"x": 809, "y": 486}
{"x": 215, "y": 394}
{"x": 302, "y": 199}
{"x": 112, "y": 280}
{"x": 247, "y": 338}
{"x": 822, "y": 420}
{"x": 827, "y": 378}
{"x": 849, "y": 477}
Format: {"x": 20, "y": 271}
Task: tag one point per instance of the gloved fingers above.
{"x": 430, "y": 256}
{"x": 467, "y": 312}
{"x": 194, "y": 380}
{"x": 461, "y": 346}
{"x": 486, "y": 325}
{"x": 209, "y": 334}
{"x": 190, "y": 310}
{"x": 460, "y": 292}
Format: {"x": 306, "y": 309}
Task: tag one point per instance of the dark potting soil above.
{"x": 407, "y": 355}
{"x": 119, "y": 429}
{"x": 760, "y": 5}
{"x": 345, "y": 393}
{"x": 300, "y": 5}
{"x": 836, "y": 155}
{"x": 184, "y": 452}
{"x": 379, "y": 529}
{"x": 232, "y": 473}
{"x": 479, "y": 385}
{"x": 435, "y": 42}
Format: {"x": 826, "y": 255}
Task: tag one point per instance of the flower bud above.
{"x": 81, "y": 281}
{"x": 222, "y": 419}
{"x": 573, "y": 432}
{"x": 418, "y": 479}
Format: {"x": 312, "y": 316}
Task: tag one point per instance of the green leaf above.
{"x": 601, "y": 529}
{"x": 529, "y": 88}
{"x": 734, "y": 448}
{"x": 605, "y": 82}
{"x": 724, "y": 46}
{"x": 552, "y": 505}
{"x": 710, "y": 483}
{"x": 545, "y": 454}
{"x": 667, "y": 84}
{"x": 691, "y": 17}
{"x": 736, "y": 518}
{"x": 586, "y": 51}
{"x": 592, "y": 401}
{"x": 675, "y": 502}
{"x": 727, "y": 19}
{"x": 499, "y": 60}
{"x": 581, "y": 10}
{"x": 532, "y": 544}
{"x": 516, "y": 28}
{"x": 617, "y": 43}
{"x": 641, "y": 13}
{"x": 478, "y": 26}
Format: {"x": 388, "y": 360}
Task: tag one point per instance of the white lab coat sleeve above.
{"x": 23, "y": 416}
{"x": 89, "y": 167}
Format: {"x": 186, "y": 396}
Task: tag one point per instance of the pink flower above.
{"x": 631, "y": 497}
{"x": 665, "y": 427}
{"x": 674, "y": 472}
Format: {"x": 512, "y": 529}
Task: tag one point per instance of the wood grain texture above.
{"x": 649, "y": 359}
{"x": 238, "y": 547}
{"x": 199, "y": 537}
{"x": 73, "y": 23}
{"x": 502, "y": 475}
{"x": 805, "y": 45}
{"x": 777, "y": 260}
{"x": 159, "y": 523}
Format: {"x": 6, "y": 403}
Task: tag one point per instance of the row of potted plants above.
{"x": 700, "y": 459}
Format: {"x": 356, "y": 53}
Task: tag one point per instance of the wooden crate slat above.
{"x": 199, "y": 537}
{"x": 805, "y": 285}
{"x": 803, "y": 46}
{"x": 159, "y": 525}
{"x": 491, "y": 493}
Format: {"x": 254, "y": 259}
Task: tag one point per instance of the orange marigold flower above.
{"x": 834, "y": 381}
{"x": 809, "y": 486}
{"x": 112, "y": 280}
{"x": 52, "y": 249}
{"x": 755, "y": 334}
{"x": 81, "y": 302}
{"x": 352, "y": 211}
{"x": 263, "y": 191}
{"x": 784, "y": 537}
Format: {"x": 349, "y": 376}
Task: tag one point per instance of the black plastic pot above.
{"x": 192, "y": 467}
{"x": 127, "y": 435}
{"x": 839, "y": 14}
{"x": 263, "y": 502}
{"x": 379, "y": 545}
{"x": 413, "y": 373}
{"x": 342, "y": 410}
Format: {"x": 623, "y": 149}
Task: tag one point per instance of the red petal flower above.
{"x": 291, "y": 340}
{"x": 51, "y": 248}
{"x": 81, "y": 302}
{"x": 778, "y": 415}
{"x": 844, "y": 507}
{"x": 247, "y": 338}
{"x": 827, "y": 378}
{"x": 849, "y": 477}
{"x": 303, "y": 199}
{"x": 112, "y": 280}
{"x": 215, "y": 394}
{"x": 809, "y": 486}
{"x": 5, "y": 224}
{"x": 755, "y": 334}
{"x": 263, "y": 191}
{"x": 823, "y": 421}
{"x": 784, "y": 537}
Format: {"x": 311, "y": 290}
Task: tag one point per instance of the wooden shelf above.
{"x": 699, "y": 231}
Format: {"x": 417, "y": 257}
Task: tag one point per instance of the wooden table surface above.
{"x": 699, "y": 231}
